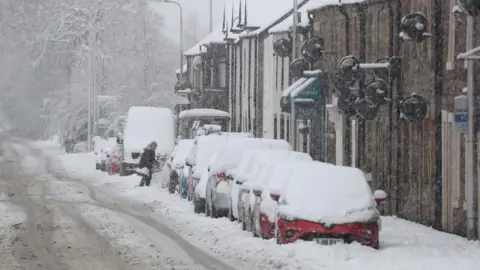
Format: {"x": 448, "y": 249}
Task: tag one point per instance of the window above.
{"x": 222, "y": 75}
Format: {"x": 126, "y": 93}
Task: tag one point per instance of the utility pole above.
{"x": 181, "y": 30}
{"x": 293, "y": 132}
{"x": 89, "y": 125}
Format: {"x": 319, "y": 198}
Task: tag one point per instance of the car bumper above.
{"x": 290, "y": 231}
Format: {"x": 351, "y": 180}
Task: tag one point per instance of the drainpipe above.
{"x": 362, "y": 58}
{"x": 470, "y": 138}
{"x": 346, "y": 124}
{"x": 438, "y": 95}
{"x": 399, "y": 90}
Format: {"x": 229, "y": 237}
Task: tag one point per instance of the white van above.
{"x": 144, "y": 125}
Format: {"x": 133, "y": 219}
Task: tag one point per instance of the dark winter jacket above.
{"x": 147, "y": 160}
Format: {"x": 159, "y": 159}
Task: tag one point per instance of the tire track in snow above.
{"x": 116, "y": 205}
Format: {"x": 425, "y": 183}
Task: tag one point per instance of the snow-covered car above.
{"x": 275, "y": 174}
{"x": 199, "y": 193}
{"x": 328, "y": 204}
{"x": 204, "y": 147}
{"x": 177, "y": 160}
{"x": 144, "y": 125}
{"x": 228, "y": 158}
{"x": 99, "y": 146}
{"x": 114, "y": 157}
{"x": 107, "y": 148}
{"x": 258, "y": 179}
{"x": 80, "y": 147}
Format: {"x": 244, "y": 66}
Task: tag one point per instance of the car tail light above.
{"x": 221, "y": 176}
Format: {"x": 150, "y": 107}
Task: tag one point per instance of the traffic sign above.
{"x": 461, "y": 114}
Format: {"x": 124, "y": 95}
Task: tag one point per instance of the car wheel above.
{"x": 207, "y": 208}
{"x": 214, "y": 212}
{"x": 376, "y": 244}
{"x": 196, "y": 208}
{"x": 123, "y": 171}
{"x": 244, "y": 224}
{"x": 230, "y": 214}
{"x": 254, "y": 229}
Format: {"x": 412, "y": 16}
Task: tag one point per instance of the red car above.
{"x": 263, "y": 212}
{"x": 328, "y": 204}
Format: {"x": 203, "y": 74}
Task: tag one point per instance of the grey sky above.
{"x": 199, "y": 7}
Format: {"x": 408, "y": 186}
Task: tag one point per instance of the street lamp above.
{"x": 181, "y": 32}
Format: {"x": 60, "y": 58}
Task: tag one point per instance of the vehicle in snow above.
{"x": 114, "y": 156}
{"x": 203, "y": 149}
{"x": 144, "y": 125}
{"x": 258, "y": 178}
{"x": 227, "y": 158}
{"x": 328, "y": 204}
{"x": 177, "y": 161}
{"x": 99, "y": 146}
{"x": 191, "y": 120}
{"x": 273, "y": 175}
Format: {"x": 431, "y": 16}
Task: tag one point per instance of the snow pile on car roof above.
{"x": 329, "y": 194}
{"x": 252, "y": 159}
{"x": 228, "y": 157}
{"x": 181, "y": 151}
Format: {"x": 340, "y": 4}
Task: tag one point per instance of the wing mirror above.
{"x": 380, "y": 196}
{"x": 238, "y": 182}
{"x": 178, "y": 166}
{"x": 189, "y": 161}
{"x": 275, "y": 197}
{"x": 257, "y": 192}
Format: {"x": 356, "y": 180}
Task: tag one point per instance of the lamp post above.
{"x": 181, "y": 31}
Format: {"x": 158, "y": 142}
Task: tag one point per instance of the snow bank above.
{"x": 322, "y": 192}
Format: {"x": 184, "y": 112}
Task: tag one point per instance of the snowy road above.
{"x": 52, "y": 222}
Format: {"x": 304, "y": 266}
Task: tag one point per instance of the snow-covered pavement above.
{"x": 404, "y": 245}
{"x": 90, "y": 220}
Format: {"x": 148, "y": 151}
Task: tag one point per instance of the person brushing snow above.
{"x": 147, "y": 160}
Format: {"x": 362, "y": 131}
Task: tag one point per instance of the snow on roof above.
{"x": 334, "y": 194}
{"x": 228, "y": 157}
{"x": 266, "y": 12}
{"x": 216, "y": 36}
{"x": 286, "y": 24}
{"x": 197, "y": 113}
{"x": 184, "y": 69}
{"x": 181, "y": 151}
{"x": 147, "y": 124}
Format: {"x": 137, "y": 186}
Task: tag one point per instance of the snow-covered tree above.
{"x": 60, "y": 48}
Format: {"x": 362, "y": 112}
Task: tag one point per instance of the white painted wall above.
{"x": 272, "y": 85}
